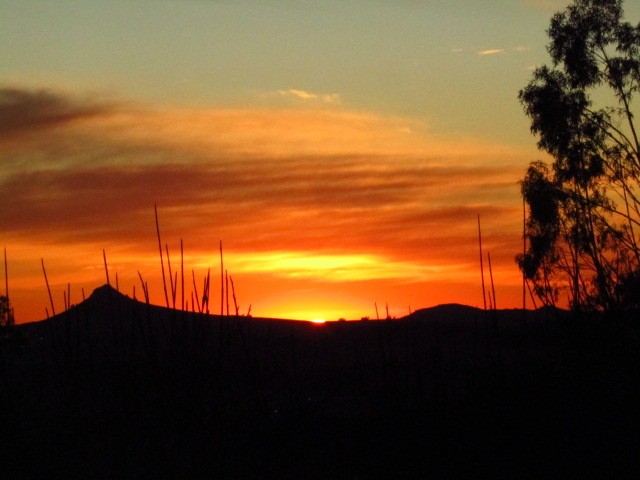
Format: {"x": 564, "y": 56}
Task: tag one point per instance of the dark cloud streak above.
{"x": 26, "y": 110}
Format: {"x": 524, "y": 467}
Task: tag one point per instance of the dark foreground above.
{"x": 119, "y": 389}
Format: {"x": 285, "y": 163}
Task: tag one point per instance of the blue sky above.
{"x": 412, "y": 58}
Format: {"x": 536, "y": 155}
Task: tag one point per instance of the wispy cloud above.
{"x": 491, "y": 51}
{"x": 331, "y": 98}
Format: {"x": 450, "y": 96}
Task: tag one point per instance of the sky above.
{"x": 341, "y": 151}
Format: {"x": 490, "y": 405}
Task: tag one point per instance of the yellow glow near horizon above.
{"x": 338, "y": 267}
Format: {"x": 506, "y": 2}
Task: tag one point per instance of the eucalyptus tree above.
{"x": 6, "y": 313}
{"x": 584, "y": 203}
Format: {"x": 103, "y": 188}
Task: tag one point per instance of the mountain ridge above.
{"x": 106, "y": 296}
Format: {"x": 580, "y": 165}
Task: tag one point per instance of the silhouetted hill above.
{"x": 455, "y": 313}
{"x": 98, "y": 310}
{"x": 114, "y": 387}
{"x": 448, "y": 310}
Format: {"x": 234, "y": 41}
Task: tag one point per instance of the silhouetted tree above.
{"x": 584, "y": 207}
{"x": 6, "y": 313}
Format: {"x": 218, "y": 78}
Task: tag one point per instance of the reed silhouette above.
{"x": 119, "y": 387}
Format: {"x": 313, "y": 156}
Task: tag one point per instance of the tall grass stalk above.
{"x": 6, "y": 275}
{"x": 221, "y": 281}
{"x": 175, "y": 292}
{"x": 106, "y": 270}
{"x": 173, "y": 284}
{"x": 164, "y": 281}
{"x": 226, "y": 289}
{"x": 145, "y": 288}
{"x": 46, "y": 280}
{"x": 10, "y": 317}
{"x": 484, "y": 294}
{"x": 195, "y": 288}
{"x": 182, "y": 273}
{"x": 235, "y": 302}
{"x": 206, "y": 291}
{"x": 493, "y": 290}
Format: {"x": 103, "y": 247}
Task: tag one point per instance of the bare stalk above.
{"x": 106, "y": 270}
{"x": 145, "y": 289}
{"x": 221, "y": 282}
{"x": 164, "y": 281}
{"x": 195, "y": 288}
{"x": 205, "y": 292}
{"x": 208, "y": 288}
{"x": 226, "y": 289}
{"x": 493, "y": 290}
{"x": 182, "y": 272}
{"x": 484, "y": 295}
{"x": 6, "y": 276}
{"x": 175, "y": 282}
{"x": 235, "y": 302}
{"x": 53, "y": 309}
{"x": 171, "y": 283}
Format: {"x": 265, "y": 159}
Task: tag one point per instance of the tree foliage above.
{"x": 6, "y": 314}
{"x": 584, "y": 206}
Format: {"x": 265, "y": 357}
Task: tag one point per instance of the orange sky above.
{"x": 341, "y": 151}
{"x": 322, "y": 211}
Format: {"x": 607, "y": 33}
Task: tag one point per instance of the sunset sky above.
{"x": 340, "y": 150}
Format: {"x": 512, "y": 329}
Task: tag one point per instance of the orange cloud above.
{"x": 491, "y": 51}
{"x": 321, "y": 196}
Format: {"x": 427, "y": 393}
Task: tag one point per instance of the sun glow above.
{"x": 337, "y": 268}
